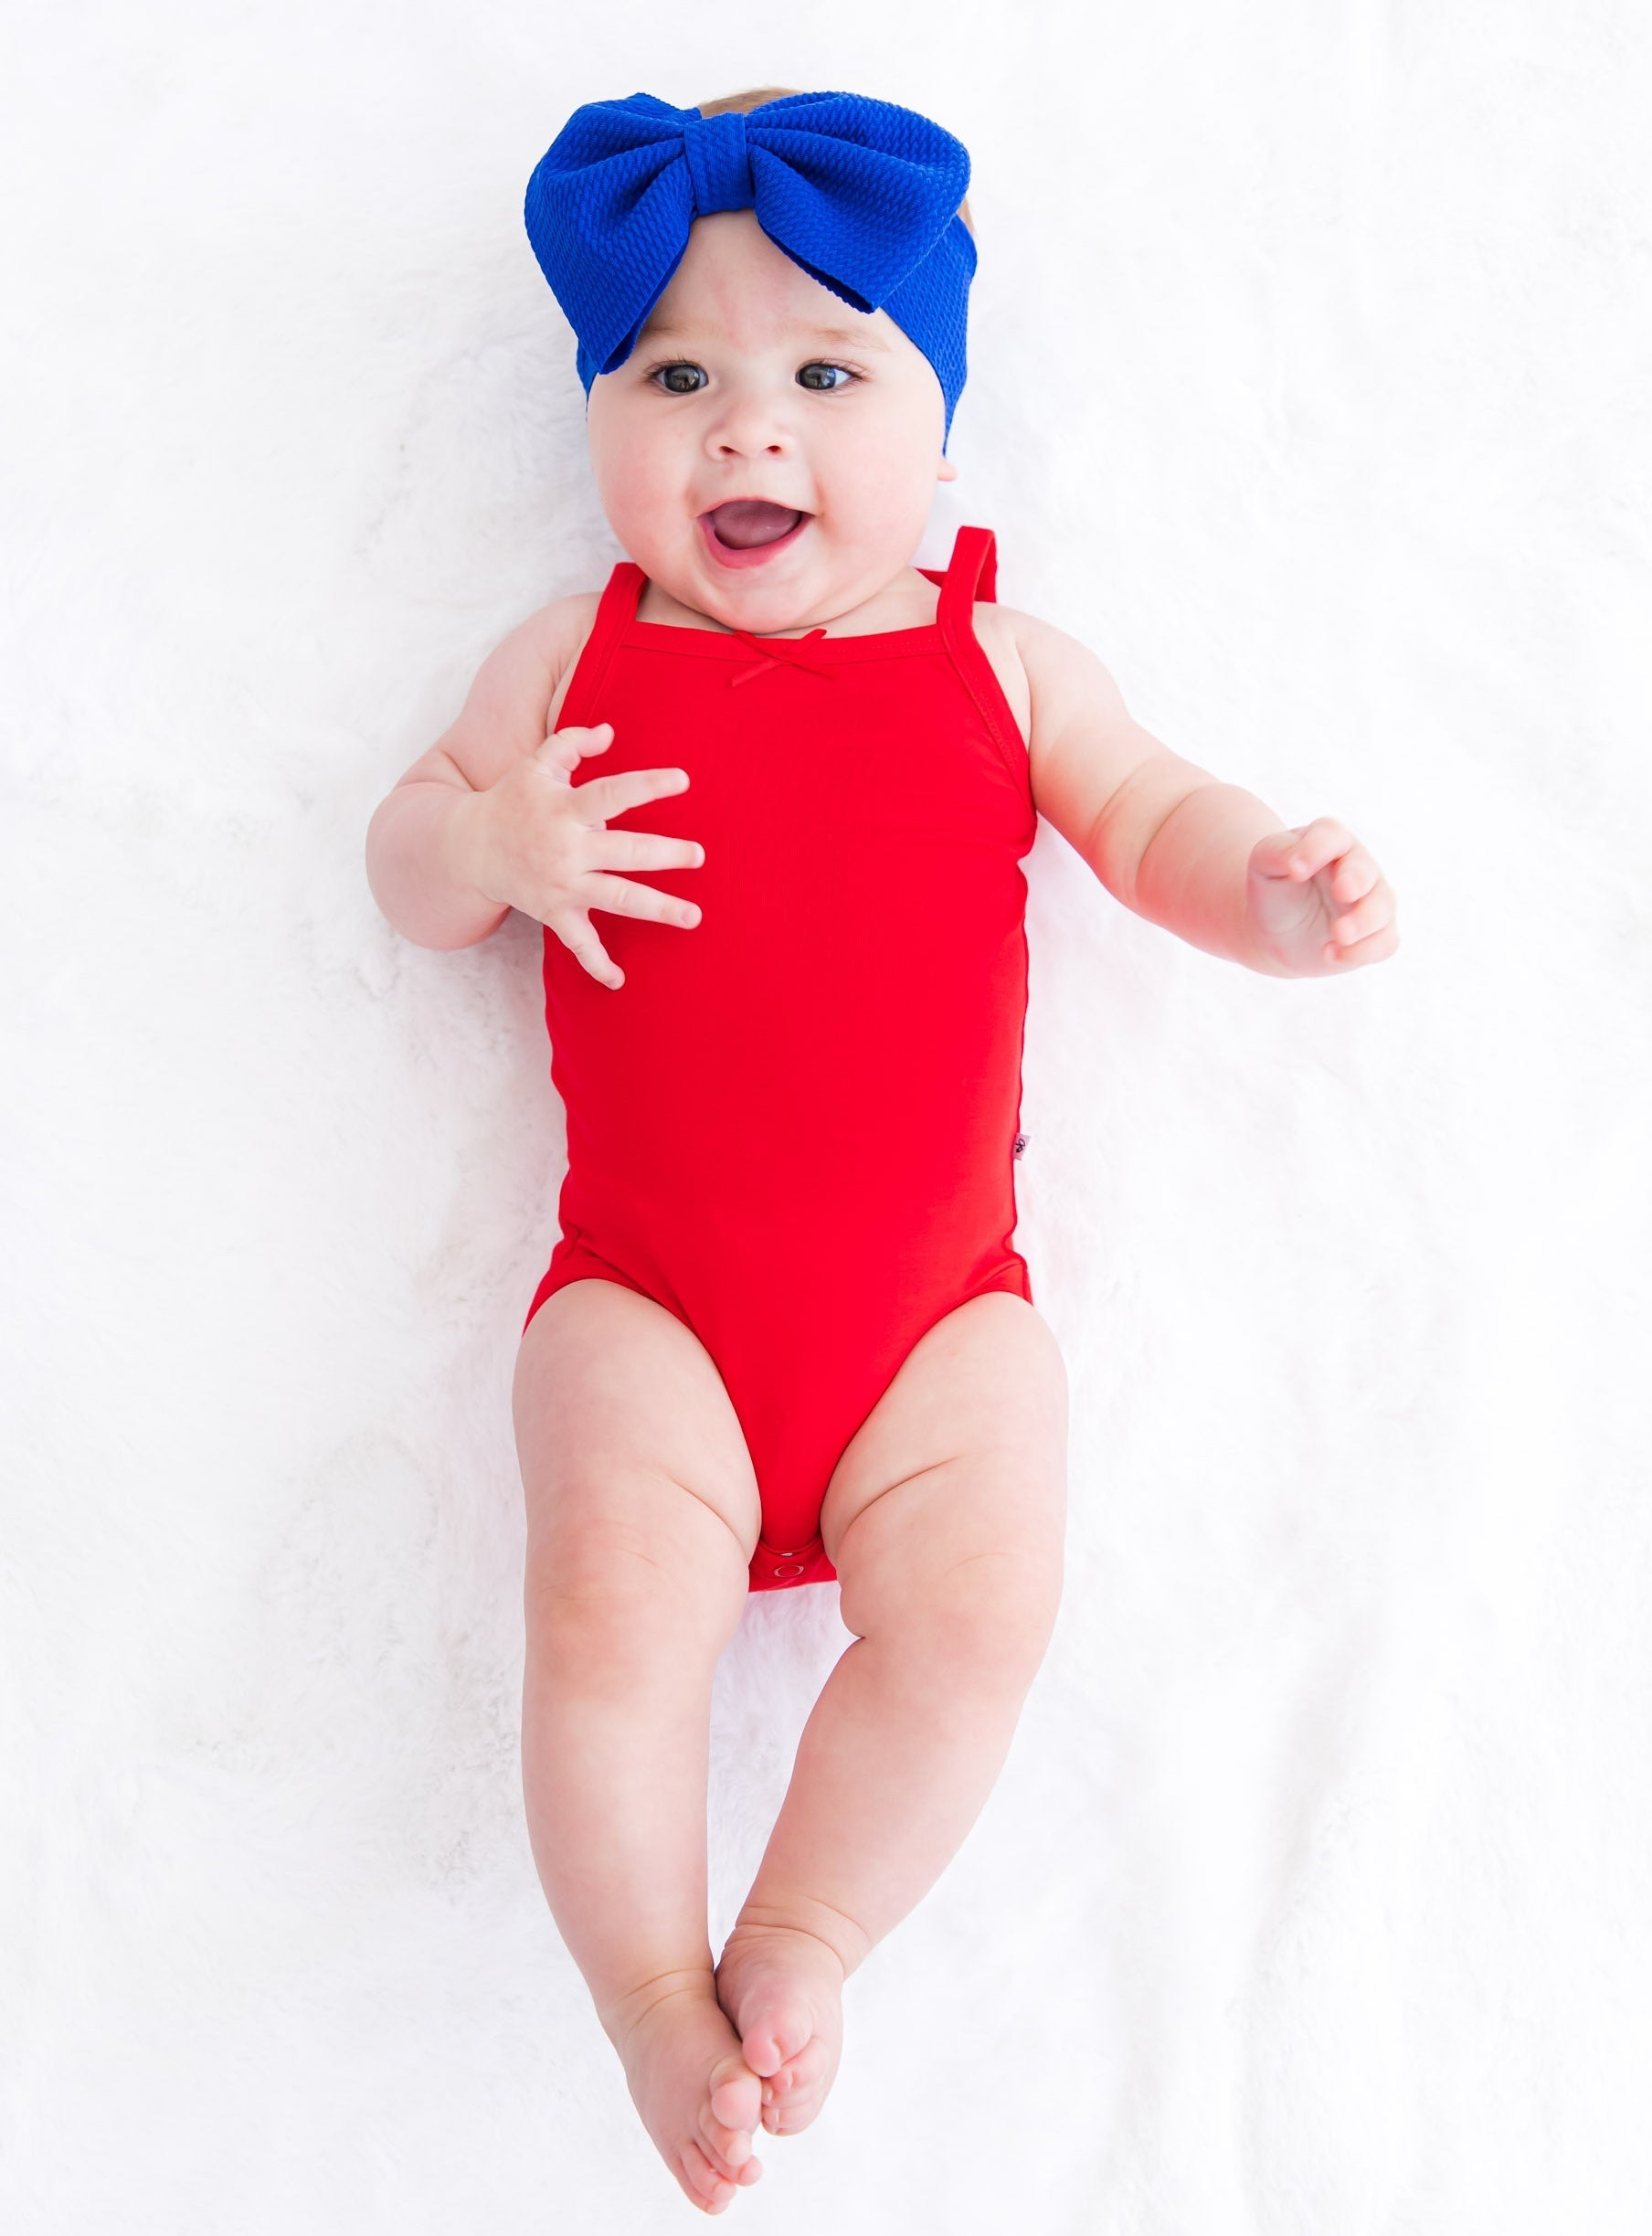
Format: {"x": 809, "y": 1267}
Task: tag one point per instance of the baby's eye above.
{"x": 683, "y": 377}
{"x": 666, "y": 376}
{"x": 824, "y": 388}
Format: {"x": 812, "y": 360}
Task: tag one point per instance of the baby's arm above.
{"x": 489, "y": 820}
{"x": 418, "y": 863}
{"x": 1206, "y": 860}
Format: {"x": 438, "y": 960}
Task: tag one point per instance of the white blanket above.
{"x": 1309, "y": 376}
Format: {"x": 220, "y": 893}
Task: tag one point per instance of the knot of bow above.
{"x": 858, "y": 192}
{"x": 779, "y": 653}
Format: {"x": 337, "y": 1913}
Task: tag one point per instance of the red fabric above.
{"x": 794, "y": 1124}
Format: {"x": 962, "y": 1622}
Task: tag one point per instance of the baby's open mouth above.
{"x": 746, "y": 522}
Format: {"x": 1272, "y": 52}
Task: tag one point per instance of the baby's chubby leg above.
{"x": 643, "y": 1515}
{"x": 944, "y": 1519}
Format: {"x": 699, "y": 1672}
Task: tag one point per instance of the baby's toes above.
{"x": 728, "y": 2115}
{"x": 734, "y": 2095}
{"x": 727, "y": 2148}
{"x": 793, "y": 2097}
{"x": 702, "y": 2183}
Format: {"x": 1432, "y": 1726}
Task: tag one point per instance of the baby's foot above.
{"x": 783, "y": 1988}
{"x": 698, "y": 2097}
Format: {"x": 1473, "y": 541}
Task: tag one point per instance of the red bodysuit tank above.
{"x": 794, "y": 1126}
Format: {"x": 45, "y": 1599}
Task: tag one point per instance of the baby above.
{"x": 785, "y": 1337}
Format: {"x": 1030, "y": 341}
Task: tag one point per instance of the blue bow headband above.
{"x": 862, "y": 193}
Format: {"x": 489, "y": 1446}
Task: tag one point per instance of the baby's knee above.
{"x": 981, "y": 1621}
{"x": 658, "y": 1572}
{"x": 996, "y": 1612}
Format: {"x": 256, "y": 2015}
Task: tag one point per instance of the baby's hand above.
{"x": 537, "y": 841}
{"x": 1318, "y": 900}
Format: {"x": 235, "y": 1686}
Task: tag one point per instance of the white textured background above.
{"x": 1310, "y": 387}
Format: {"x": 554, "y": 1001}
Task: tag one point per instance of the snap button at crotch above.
{"x": 784, "y": 1570}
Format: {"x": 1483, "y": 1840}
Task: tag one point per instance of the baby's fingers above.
{"x": 1365, "y": 933}
{"x": 1305, "y": 852}
{"x": 1365, "y": 917}
{"x": 642, "y": 850}
{"x": 603, "y": 797}
{"x": 565, "y": 749}
{"x": 579, "y": 936}
{"x": 621, "y": 897}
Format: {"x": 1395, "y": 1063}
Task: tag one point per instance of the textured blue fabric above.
{"x": 862, "y": 193}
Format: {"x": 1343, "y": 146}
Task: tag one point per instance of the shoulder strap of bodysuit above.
{"x": 972, "y": 570}
{"x": 615, "y": 609}
{"x": 963, "y": 552}
{"x": 972, "y": 574}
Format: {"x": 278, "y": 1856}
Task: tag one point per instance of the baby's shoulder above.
{"x": 562, "y": 627}
{"x": 1042, "y": 650}
{"x": 540, "y": 652}
{"x": 561, "y": 631}
{"x": 1060, "y": 679}
{"x": 996, "y": 634}
{"x": 513, "y": 699}
{"x": 1043, "y": 670}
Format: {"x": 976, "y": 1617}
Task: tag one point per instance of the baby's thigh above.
{"x": 639, "y": 1484}
{"x": 951, "y": 1501}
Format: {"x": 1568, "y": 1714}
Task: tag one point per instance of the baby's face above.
{"x": 752, "y": 380}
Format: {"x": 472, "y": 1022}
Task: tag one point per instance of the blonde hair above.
{"x": 756, "y": 95}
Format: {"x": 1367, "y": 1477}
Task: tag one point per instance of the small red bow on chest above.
{"x": 777, "y": 652}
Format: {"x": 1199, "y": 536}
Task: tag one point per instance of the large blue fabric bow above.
{"x": 862, "y": 193}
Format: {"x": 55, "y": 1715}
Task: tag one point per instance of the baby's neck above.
{"x": 908, "y": 601}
